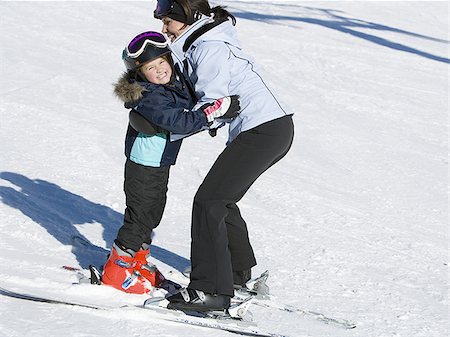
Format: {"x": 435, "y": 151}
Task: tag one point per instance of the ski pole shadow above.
{"x": 60, "y": 211}
{"x": 337, "y": 21}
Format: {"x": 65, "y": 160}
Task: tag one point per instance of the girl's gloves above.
{"x": 225, "y": 107}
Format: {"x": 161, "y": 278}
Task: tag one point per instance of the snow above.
{"x": 353, "y": 223}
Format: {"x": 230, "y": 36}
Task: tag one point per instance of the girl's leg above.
{"x": 213, "y": 249}
{"x": 145, "y": 191}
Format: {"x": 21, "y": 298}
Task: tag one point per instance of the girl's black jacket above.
{"x": 167, "y": 108}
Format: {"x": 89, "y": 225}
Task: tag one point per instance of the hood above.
{"x": 224, "y": 32}
{"x": 128, "y": 90}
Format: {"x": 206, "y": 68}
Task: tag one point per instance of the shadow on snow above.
{"x": 347, "y": 25}
{"x": 58, "y": 211}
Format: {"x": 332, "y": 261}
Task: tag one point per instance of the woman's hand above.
{"x": 225, "y": 107}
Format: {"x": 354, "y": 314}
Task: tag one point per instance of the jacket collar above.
{"x": 177, "y": 45}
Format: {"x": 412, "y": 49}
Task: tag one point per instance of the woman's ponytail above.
{"x": 192, "y": 7}
{"x": 221, "y": 13}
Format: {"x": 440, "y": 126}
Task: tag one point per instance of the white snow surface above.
{"x": 353, "y": 223}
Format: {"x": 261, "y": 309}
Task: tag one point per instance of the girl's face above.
{"x": 172, "y": 28}
{"x": 157, "y": 71}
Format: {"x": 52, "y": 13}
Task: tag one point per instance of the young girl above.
{"x": 204, "y": 43}
{"x": 160, "y": 103}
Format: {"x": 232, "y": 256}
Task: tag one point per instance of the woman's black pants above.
{"x": 220, "y": 242}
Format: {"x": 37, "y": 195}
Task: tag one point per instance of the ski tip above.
{"x": 70, "y": 268}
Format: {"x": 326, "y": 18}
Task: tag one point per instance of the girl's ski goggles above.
{"x": 137, "y": 46}
{"x": 163, "y": 7}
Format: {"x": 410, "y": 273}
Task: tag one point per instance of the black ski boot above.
{"x": 240, "y": 278}
{"x": 196, "y": 300}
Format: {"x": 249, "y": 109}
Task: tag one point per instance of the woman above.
{"x": 205, "y": 47}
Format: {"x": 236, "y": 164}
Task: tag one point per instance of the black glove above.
{"x": 140, "y": 124}
{"x": 225, "y": 107}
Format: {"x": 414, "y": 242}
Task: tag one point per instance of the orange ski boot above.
{"x": 146, "y": 268}
{"x": 121, "y": 273}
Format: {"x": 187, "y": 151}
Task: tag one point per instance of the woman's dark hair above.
{"x": 193, "y": 7}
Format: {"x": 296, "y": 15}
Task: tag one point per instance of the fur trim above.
{"x": 126, "y": 91}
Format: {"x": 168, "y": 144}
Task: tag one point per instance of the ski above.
{"x": 34, "y": 298}
{"x": 260, "y": 290}
{"x": 271, "y": 303}
{"x": 94, "y": 278}
{"x": 256, "y": 287}
{"x": 157, "y": 309}
{"x": 214, "y": 320}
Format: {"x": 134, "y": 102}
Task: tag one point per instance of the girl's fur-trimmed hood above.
{"x": 128, "y": 90}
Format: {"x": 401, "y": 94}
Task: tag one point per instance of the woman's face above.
{"x": 172, "y": 28}
{"x": 157, "y": 71}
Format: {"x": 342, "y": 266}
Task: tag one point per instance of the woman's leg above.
{"x": 242, "y": 256}
{"x": 213, "y": 249}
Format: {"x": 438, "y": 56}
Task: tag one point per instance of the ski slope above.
{"x": 353, "y": 223}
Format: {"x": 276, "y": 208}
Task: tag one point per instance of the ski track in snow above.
{"x": 353, "y": 223}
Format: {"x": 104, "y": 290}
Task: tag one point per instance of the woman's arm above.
{"x": 210, "y": 62}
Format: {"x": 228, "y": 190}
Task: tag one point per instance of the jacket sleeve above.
{"x": 210, "y": 62}
{"x": 160, "y": 108}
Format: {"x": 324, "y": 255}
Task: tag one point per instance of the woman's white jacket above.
{"x": 217, "y": 67}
